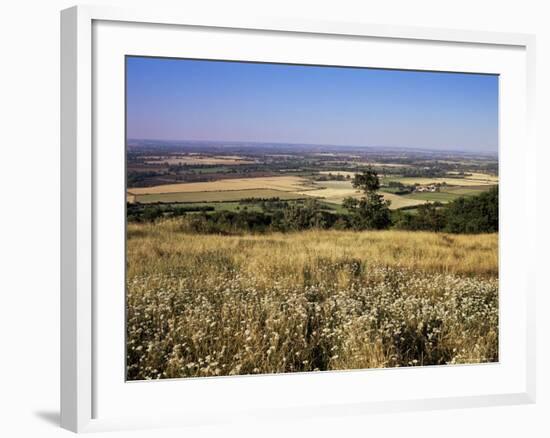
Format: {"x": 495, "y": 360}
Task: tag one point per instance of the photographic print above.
{"x": 301, "y": 218}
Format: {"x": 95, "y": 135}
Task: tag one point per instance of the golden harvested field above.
{"x": 336, "y": 191}
{"x": 331, "y": 192}
{"x": 208, "y": 305}
{"x": 398, "y": 201}
{"x": 337, "y": 196}
{"x": 284, "y": 183}
{"x": 221, "y": 196}
{"x": 483, "y": 178}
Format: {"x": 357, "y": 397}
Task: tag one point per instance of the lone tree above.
{"x": 367, "y": 181}
{"x": 372, "y": 210}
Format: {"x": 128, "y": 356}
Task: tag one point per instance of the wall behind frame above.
{"x": 29, "y": 231}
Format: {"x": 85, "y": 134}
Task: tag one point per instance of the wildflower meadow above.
{"x": 202, "y": 305}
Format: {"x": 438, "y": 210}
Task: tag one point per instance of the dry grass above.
{"x": 204, "y": 305}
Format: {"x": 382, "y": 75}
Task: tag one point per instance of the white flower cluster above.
{"x": 212, "y": 318}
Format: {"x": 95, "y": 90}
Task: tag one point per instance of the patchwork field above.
{"x": 298, "y": 187}
{"x": 283, "y": 183}
{"x": 215, "y": 196}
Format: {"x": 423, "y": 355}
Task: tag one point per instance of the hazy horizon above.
{"x": 343, "y": 146}
{"x": 239, "y": 102}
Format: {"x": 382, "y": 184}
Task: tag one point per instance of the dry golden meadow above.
{"x": 209, "y": 305}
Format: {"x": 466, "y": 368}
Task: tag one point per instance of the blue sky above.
{"x": 178, "y": 99}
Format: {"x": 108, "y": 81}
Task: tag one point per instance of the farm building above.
{"x": 429, "y": 188}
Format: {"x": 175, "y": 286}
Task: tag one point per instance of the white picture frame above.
{"x": 84, "y": 384}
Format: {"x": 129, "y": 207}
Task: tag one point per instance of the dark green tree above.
{"x": 477, "y": 214}
{"x": 366, "y": 181}
{"x": 372, "y": 210}
{"x": 428, "y": 217}
{"x": 350, "y": 203}
{"x": 307, "y": 215}
{"x": 151, "y": 213}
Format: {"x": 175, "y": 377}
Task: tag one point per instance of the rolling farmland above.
{"x": 297, "y": 187}
{"x": 283, "y": 183}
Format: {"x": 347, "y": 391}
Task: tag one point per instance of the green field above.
{"x": 468, "y": 191}
{"x": 336, "y": 208}
{"x": 450, "y": 181}
{"x": 216, "y": 196}
{"x": 448, "y": 194}
{"x": 432, "y": 196}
